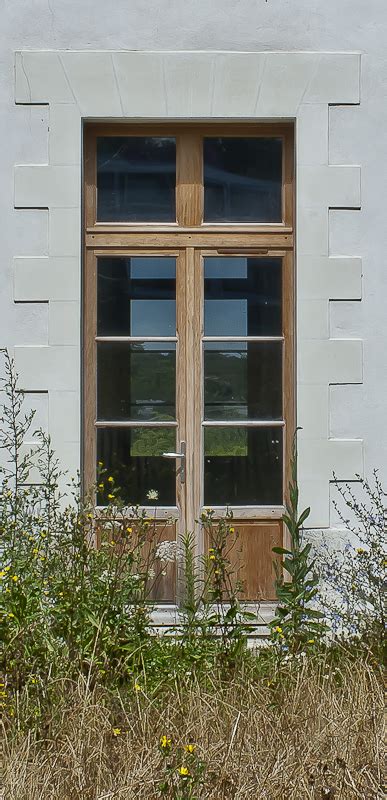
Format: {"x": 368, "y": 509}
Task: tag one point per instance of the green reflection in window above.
{"x": 152, "y": 441}
{"x": 225, "y": 441}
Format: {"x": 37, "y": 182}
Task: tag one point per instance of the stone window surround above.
{"x": 205, "y": 86}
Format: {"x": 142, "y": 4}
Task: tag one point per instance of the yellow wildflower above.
{"x": 165, "y": 742}
{"x": 2, "y": 573}
{"x": 116, "y": 731}
{"x": 15, "y": 578}
{"x": 100, "y": 486}
{"x": 278, "y": 629}
{"x": 100, "y": 463}
{"x": 190, "y": 748}
{"x": 111, "y": 479}
{"x": 6, "y": 569}
{"x": 129, "y": 530}
{"x": 89, "y": 516}
{"x": 184, "y": 771}
{"x": 137, "y": 687}
{"x": 212, "y": 557}
{"x": 232, "y": 530}
{"x": 110, "y": 496}
{"x": 12, "y": 616}
{"x": 310, "y": 641}
{"x": 217, "y": 572}
{"x": 360, "y": 551}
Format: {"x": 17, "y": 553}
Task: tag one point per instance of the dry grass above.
{"x": 311, "y": 736}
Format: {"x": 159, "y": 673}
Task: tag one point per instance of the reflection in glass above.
{"x": 136, "y": 179}
{"x": 243, "y": 381}
{"x": 242, "y": 179}
{"x": 133, "y": 457}
{"x": 243, "y": 466}
{"x": 136, "y": 296}
{"x": 136, "y": 381}
{"x": 242, "y": 299}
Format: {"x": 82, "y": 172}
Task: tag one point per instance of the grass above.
{"x": 309, "y": 732}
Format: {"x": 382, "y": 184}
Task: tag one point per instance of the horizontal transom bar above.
{"x": 165, "y": 339}
{"x": 134, "y": 423}
{"x": 243, "y": 338}
{"x": 246, "y": 423}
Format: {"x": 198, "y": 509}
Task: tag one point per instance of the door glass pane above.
{"x": 133, "y": 458}
{"x": 242, "y": 466}
{"x": 136, "y": 381}
{"x": 242, "y": 179}
{"x": 243, "y": 381}
{"x": 136, "y": 296}
{"x": 242, "y": 296}
{"x": 136, "y": 179}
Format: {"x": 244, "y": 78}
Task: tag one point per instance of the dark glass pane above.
{"x": 242, "y": 466}
{"x": 136, "y": 179}
{"x": 242, "y": 179}
{"x": 242, "y": 296}
{"x": 243, "y": 381}
{"x": 136, "y": 381}
{"x": 136, "y": 296}
{"x": 133, "y": 457}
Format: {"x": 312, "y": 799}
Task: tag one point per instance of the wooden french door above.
{"x": 188, "y": 390}
{"x": 188, "y": 329}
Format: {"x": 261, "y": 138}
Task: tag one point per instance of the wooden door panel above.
{"x": 163, "y": 584}
{"x": 162, "y": 572}
{"x": 252, "y": 558}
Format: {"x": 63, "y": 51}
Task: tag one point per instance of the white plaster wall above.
{"x": 354, "y": 411}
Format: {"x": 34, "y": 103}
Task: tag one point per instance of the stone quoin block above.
{"x": 44, "y": 279}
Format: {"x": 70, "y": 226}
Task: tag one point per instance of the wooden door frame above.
{"x": 189, "y": 237}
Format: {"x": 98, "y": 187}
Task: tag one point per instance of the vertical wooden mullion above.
{"x": 181, "y": 406}
{"x": 89, "y": 370}
{"x": 190, "y": 389}
{"x": 189, "y": 179}
{"x": 197, "y": 401}
{"x": 288, "y": 178}
{"x": 90, "y": 178}
{"x": 289, "y": 377}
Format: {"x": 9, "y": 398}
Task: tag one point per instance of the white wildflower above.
{"x": 166, "y": 551}
{"x": 152, "y": 494}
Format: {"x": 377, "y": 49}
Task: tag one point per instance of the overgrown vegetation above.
{"x": 96, "y": 706}
{"x": 298, "y": 626}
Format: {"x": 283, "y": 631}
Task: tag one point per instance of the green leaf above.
{"x": 303, "y": 517}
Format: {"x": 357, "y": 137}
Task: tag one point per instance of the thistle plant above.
{"x": 297, "y": 625}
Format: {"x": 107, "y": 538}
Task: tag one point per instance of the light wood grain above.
{"x": 189, "y": 180}
{"x": 189, "y": 240}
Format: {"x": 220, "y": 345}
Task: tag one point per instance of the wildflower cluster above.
{"x": 183, "y": 770}
{"x": 354, "y": 582}
{"x": 65, "y": 605}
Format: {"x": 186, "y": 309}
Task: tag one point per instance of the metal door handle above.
{"x": 180, "y": 455}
